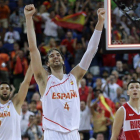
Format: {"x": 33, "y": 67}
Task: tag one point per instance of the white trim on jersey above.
{"x": 133, "y": 109}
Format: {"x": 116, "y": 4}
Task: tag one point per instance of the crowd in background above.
{"x": 107, "y": 76}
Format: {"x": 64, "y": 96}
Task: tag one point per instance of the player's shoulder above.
{"x": 120, "y": 111}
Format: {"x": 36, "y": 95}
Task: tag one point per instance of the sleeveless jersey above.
{"x": 9, "y": 122}
{"x": 131, "y": 124}
{"x": 61, "y": 104}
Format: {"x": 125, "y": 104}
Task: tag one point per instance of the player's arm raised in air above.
{"x": 39, "y": 72}
{"x": 117, "y": 124}
{"x": 80, "y": 70}
{"x": 19, "y": 98}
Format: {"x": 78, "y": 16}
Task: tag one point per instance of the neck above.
{"x": 3, "y": 102}
{"x": 135, "y": 103}
{"x": 58, "y": 73}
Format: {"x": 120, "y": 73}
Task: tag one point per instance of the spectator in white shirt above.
{"x": 85, "y": 116}
{"x": 25, "y": 114}
{"x": 50, "y": 27}
{"x": 11, "y": 36}
{"x": 110, "y": 88}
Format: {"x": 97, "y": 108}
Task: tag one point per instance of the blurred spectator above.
{"x": 110, "y": 87}
{"x": 4, "y": 67}
{"x": 33, "y": 108}
{"x": 136, "y": 61}
{"x": 50, "y": 30}
{"x": 69, "y": 42}
{"x": 99, "y": 120}
{"x": 89, "y": 79}
{"x": 85, "y": 114}
{"x": 33, "y": 130}
{"x": 119, "y": 93}
{"x": 36, "y": 97}
{"x": 25, "y": 113}
{"x": 98, "y": 84}
{"x": 80, "y": 48}
{"x": 105, "y": 75}
{"x": 83, "y": 91}
{"x": 119, "y": 68}
{"x": 123, "y": 100}
{"x": 39, "y": 119}
{"x": 4, "y": 14}
{"x": 15, "y": 19}
{"x": 118, "y": 81}
{"x": 20, "y": 68}
{"x": 60, "y": 8}
{"x": 11, "y": 36}
{"x": 31, "y": 90}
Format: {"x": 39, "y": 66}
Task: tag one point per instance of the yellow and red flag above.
{"x": 74, "y": 21}
{"x": 108, "y": 106}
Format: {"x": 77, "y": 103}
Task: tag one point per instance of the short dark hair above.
{"x": 6, "y": 83}
{"x": 132, "y": 82}
{"x": 47, "y": 58}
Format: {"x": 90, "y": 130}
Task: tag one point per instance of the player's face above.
{"x": 4, "y": 92}
{"x": 55, "y": 60}
{"x": 134, "y": 90}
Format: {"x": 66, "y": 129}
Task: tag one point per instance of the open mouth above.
{"x": 134, "y": 93}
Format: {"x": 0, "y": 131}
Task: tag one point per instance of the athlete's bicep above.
{"x": 118, "y": 123}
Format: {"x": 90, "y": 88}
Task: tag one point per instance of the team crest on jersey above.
{"x": 8, "y": 106}
{"x": 71, "y": 83}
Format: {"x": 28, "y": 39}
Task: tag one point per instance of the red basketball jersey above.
{"x": 131, "y": 124}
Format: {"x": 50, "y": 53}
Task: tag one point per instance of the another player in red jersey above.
{"x": 126, "y": 125}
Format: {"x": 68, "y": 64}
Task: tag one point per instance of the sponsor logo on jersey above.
{"x": 131, "y": 114}
{"x": 69, "y": 95}
{"x": 5, "y": 114}
{"x": 135, "y": 124}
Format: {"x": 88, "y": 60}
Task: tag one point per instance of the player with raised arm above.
{"x": 10, "y": 109}
{"x": 59, "y": 91}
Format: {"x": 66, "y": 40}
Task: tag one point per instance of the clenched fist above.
{"x": 29, "y": 10}
{"x": 101, "y": 14}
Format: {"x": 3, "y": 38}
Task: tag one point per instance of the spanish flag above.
{"x": 108, "y": 106}
{"x": 74, "y": 21}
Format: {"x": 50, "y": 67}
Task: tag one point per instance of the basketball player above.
{"x": 126, "y": 125}
{"x": 10, "y": 109}
{"x": 59, "y": 91}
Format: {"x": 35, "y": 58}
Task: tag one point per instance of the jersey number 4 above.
{"x": 66, "y": 106}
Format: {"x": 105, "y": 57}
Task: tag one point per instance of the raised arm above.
{"x": 39, "y": 72}
{"x": 19, "y": 98}
{"x": 117, "y": 124}
{"x": 80, "y": 70}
